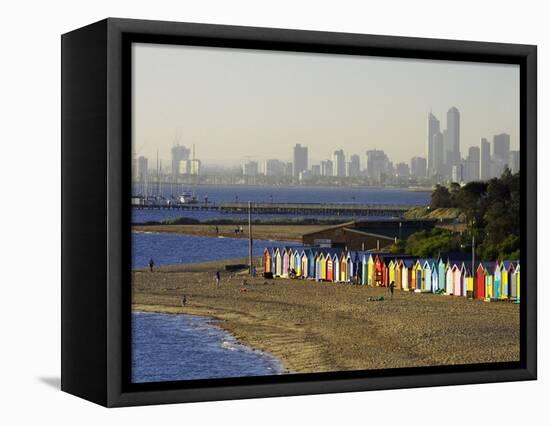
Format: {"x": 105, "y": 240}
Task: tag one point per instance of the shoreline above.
{"x": 321, "y": 327}
{"x": 217, "y": 323}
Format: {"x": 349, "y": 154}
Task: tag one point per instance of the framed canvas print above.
{"x": 252, "y": 212}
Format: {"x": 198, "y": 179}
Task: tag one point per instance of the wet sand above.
{"x": 315, "y": 327}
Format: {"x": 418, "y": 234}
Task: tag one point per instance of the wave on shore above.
{"x": 167, "y": 347}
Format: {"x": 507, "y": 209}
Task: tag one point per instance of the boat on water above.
{"x": 187, "y": 197}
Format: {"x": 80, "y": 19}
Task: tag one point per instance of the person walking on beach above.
{"x": 391, "y": 288}
{"x": 217, "y": 279}
{"x": 217, "y": 231}
{"x": 151, "y": 264}
{"x": 183, "y": 300}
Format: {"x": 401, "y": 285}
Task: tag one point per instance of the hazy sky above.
{"x": 234, "y": 103}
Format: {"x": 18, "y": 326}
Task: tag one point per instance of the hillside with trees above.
{"x": 490, "y": 212}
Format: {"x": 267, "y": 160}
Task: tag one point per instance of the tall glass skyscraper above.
{"x": 452, "y": 139}
{"x": 300, "y": 160}
{"x": 433, "y": 130}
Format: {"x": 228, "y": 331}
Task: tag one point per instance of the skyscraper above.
{"x": 433, "y": 129}
{"x": 452, "y": 140}
{"x": 418, "y": 167}
{"x": 316, "y": 170}
{"x": 402, "y": 170}
{"x": 354, "y": 166}
{"x": 513, "y": 163}
{"x": 485, "y": 160}
{"x": 274, "y": 168}
{"x": 438, "y": 154}
{"x": 141, "y": 172}
{"x": 378, "y": 164}
{"x": 457, "y": 173}
{"x": 501, "y": 153}
{"x": 250, "y": 168}
{"x": 300, "y": 159}
{"x": 326, "y": 168}
{"x": 288, "y": 169}
{"x": 179, "y": 153}
{"x": 501, "y": 147}
{"x": 471, "y": 165}
{"x": 339, "y": 162}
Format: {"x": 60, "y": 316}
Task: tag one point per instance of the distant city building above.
{"x": 316, "y": 170}
{"x": 418, "y": 167}
{"x": 179, "y": 153}
{"x": 457, "y": 173}
{"x": 288, "y": 169}
{"x": 195, "y": 166}
{"x": 300, "y": 159}
{"x": 501, "y": 148}
{"x": 497, "y": 166}
{"x": 402, "y": 170}
{"x": 452, "y": 138}
{"x": 184, "y": 167}
{"x": 339, "y": 163}
{"x": 354, "y": 166}
{"x": 189, "y": 167}
{"x": 326, "y": 168}
{"x": 250, "y": 168}
{"x": 514, "y": 161}
{"x": 438, "y": 154}
{"x": 141, "y": 169}
{"x": 433, "y": 130}
{"x": 273, "y": 168}
{"x": 485, "y": 160}
{"x": 471, "y": 165}
{"x": 378, "y": 164}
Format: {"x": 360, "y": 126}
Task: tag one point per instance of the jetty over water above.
{"x": 318, "y": 209}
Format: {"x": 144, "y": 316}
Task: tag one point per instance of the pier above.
{"x": 318, "y": 209}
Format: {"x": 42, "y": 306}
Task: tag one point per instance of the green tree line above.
{"x": 491, "y": 212}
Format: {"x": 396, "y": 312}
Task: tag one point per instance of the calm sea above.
{"x": 171, "y": 249}
{"x": 289, "y": 194}
{"x": 185, "y": 347}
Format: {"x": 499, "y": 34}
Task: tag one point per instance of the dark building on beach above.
{"x": 366, "y": 235}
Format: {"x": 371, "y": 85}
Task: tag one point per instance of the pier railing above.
{"x": 336, "y": 209}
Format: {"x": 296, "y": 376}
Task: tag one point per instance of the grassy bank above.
{"x": 427, "y": 213}
{"x": 327, "y": 327}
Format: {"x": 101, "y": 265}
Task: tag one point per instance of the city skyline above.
{"x": 325, "y": 102}
{"x": 478, "y": 164}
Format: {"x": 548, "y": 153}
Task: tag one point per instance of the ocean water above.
{"x": 288, "y": 194}
{"x": 184, "y": 347}
{"x": 171, "y": 249}
{"x": 295, "y": 194}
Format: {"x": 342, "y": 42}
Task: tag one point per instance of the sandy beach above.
{"x": 315, "y": 327}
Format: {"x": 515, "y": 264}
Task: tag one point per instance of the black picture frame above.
{"x": 96, "y": 211}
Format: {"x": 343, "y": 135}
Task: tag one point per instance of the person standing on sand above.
{"x": 151, "y": 264}
{"x": 391, "y": 288}
{"x": 217, "y": 231}
{"x": 217, "y": 279}
{"x": 183, "y": 300}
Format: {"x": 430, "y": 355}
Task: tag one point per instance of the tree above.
{"x": 471, "y": 199}
{"x": 441, "y": 198}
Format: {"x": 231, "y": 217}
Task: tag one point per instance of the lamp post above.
{"x": 249, "y": 238}
{"x": 473, "y": 246}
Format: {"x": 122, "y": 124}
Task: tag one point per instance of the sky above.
{"x": 240, "y": 104}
